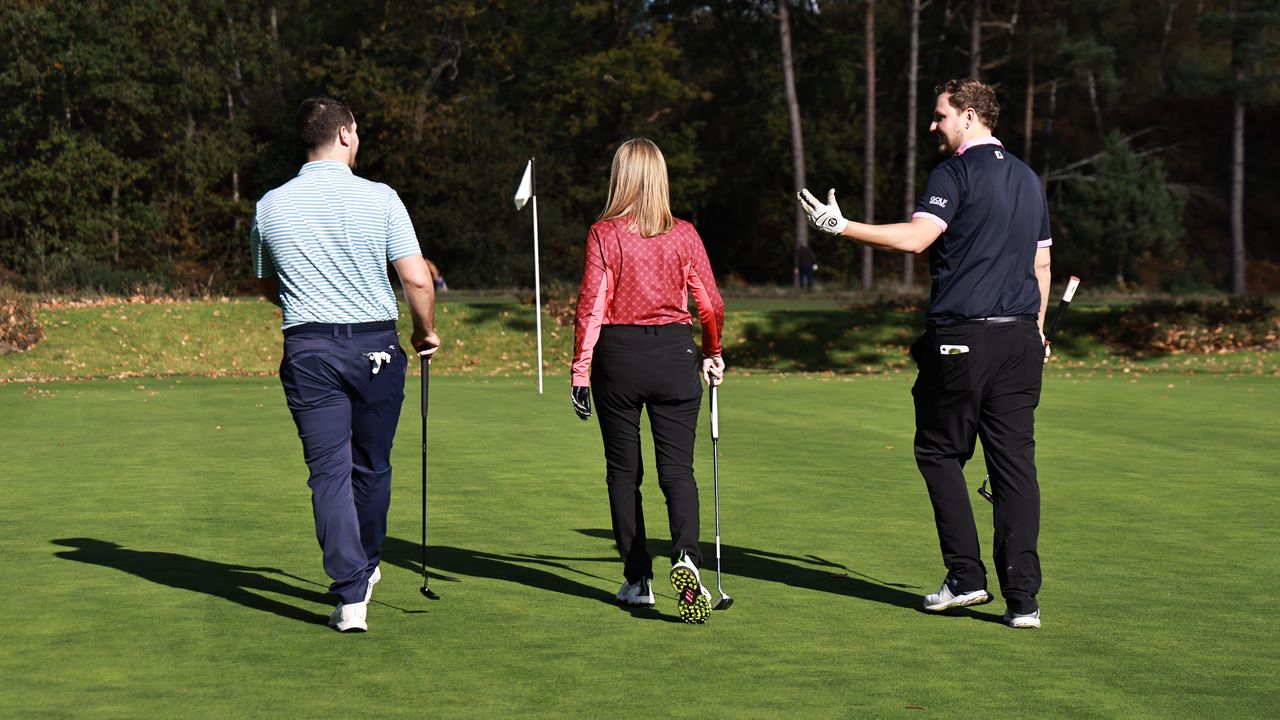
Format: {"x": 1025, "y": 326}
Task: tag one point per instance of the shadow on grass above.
{"x": 508, "y": 568}
{"x": 809, "y": 572}
{"x": 238, "y": 583}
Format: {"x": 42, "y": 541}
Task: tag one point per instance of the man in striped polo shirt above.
{"x": 984, "y": 219}
{"x": 320, "y": 244}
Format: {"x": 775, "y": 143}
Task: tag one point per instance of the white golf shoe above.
{"x": 949, "y": 597}
{"x": 692, "y": 600}
{"x": 374, "y": 579}
{"x": 1022, "y": 620}
{"x": 637, "y": 594}
{"x": 349, "y": 617}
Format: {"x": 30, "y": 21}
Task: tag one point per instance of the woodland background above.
{"x": 136, "y": 135}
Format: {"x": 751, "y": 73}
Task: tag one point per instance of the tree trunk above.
{"x": 797, "y": 139}
{"x": 1093, "y": 103}
{"x": 1238, "y": 284}
{"x": 975, "y": 41}
{"x": 115, "y": 224}
{"x": 1028, "y": 115}
{"x": 869, "y": 153}
{"x": 909, "y": 172}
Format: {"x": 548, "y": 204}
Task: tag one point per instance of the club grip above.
{"x": 715, "y": 415}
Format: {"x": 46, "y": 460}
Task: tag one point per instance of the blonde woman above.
{"x": 634, "y": 345}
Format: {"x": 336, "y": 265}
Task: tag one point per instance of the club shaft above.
{"x": 426, "y": 364}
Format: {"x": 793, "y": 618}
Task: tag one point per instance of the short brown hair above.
{"x": 969, "y": 93}
{"x": 319, "y": 118}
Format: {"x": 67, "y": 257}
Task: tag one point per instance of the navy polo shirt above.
{"x": 992, "y": 211}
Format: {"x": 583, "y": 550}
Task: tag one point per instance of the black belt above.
{"x": 994, "y": 320}
{"x": 648, "y": 329}
{"x": 340, "y": 329}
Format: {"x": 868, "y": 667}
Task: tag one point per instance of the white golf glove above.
{"x": 826, "y": 218}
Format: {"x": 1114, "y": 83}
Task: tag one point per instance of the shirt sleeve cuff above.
{"x": 1044, "y": 243}
{"x": 930, "y": 216}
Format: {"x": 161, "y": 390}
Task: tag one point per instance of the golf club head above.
{"x": 723, "y": 603}
{"x": 984, "y": 492}
{"x": 427, "y": 593}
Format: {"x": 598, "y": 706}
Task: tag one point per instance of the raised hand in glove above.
{"x": 826, "y": 218}
{"x": 582, "y": 401}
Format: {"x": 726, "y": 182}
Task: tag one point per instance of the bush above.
{"x": 19, "y": 329}
{"x": 1175, "y": 327}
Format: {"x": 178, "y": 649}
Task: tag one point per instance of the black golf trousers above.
{"x": 981, "y": 380}
{"x": 654, "y": 367}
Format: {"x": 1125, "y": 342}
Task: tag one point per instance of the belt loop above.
{"x": 348, "y": 331}
{"x": 335, "y": 331}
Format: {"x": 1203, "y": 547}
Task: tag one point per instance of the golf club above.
{"x": 426, "y": 365}
{"x": 725, "y": 601}
{"x": 1063, "y": 304}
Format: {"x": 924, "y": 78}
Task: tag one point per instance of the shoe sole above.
{"x": 694, "y": 607}
{"x": 980, "y": 600}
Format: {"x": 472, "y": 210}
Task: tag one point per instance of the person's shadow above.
{"x": 238, "y": 583}
{"x": 810, "y": 573}
{"x": 522, "y": 569}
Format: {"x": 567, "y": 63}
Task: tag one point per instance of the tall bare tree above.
{"x": 1238, "y": 285}
{"x": 909, "y": 172}
{"x": 797, "y": 138}
{"x": 1028, "y": 114}
{"x": 975, "y": 41}
{"x": 869, "y": 153}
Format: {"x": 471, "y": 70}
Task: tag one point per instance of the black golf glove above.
{"x": 582, "y": 401}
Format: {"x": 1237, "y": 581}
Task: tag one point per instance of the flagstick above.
{"x": 537, "y": 281}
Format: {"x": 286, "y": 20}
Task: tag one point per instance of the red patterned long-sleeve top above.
{"x": 629, "y": 279}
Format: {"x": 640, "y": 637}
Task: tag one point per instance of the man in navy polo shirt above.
{"x": 321, "y": 244}
{"x": 984, "y": 219}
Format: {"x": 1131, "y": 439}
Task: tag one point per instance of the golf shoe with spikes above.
{"x": 637, "y": 594}
{"x": 692, "y": 600}
{"x": 949, "y": 596}
{"x": 1022, "y": 620}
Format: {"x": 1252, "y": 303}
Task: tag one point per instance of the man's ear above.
{"x": 344, "y": 136}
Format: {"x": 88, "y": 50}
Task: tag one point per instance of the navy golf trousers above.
{"x": 654, "y": 367}
{"x": 346, "y": 415}
{"x": 982, "y": 380}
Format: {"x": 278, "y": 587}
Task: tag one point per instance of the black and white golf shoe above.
{"x": 637, "y": 594}
{"x": 949, "y": 596}
{"x": 692, "y": 600}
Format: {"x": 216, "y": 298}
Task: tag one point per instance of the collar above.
{"x": 324, "y": 166}
{"x": 988, "y": 140}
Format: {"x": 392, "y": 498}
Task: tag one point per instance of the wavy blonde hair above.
{"x": 638, "y": 188}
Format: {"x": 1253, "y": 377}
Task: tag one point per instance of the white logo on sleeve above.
{"x": 999, "y": 155}
{"x": 935, "y": 200}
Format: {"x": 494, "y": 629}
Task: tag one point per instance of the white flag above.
{"x": 525, "y": 191}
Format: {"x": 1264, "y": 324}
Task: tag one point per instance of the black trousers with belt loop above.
{"x": 654, "y": 367}
{"x": 981, "y": 380}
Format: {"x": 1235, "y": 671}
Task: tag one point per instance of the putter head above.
{"x": 426, "y": 592}
{"x": 984, "y": 492}
{"x": 723, "y": 603}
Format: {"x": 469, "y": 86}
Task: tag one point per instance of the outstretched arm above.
{"x": 908, "y": 237}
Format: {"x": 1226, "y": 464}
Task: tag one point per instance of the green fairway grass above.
{"x": 161, "y": 560}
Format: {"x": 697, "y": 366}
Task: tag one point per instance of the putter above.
{"x": 1063, "y": 304}
{"x": 426, "y": 591}
{"x": 725, "y": 601}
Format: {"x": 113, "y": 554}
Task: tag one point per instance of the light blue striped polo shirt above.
{"x": 329, "y": 235}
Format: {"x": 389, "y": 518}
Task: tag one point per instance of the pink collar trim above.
{"x": 989, "y": 140}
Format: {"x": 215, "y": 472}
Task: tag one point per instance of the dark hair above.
{"x": 319, "y": 118}
{"x": 970, "y": 93}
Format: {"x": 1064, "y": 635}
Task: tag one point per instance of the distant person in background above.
{"x": 320, "y": 244}
{"x": 806, "y": 265}
{"x": 437, "y": 279}
{"x": 634, "y": 345}
{"x": 984, "y": 219}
